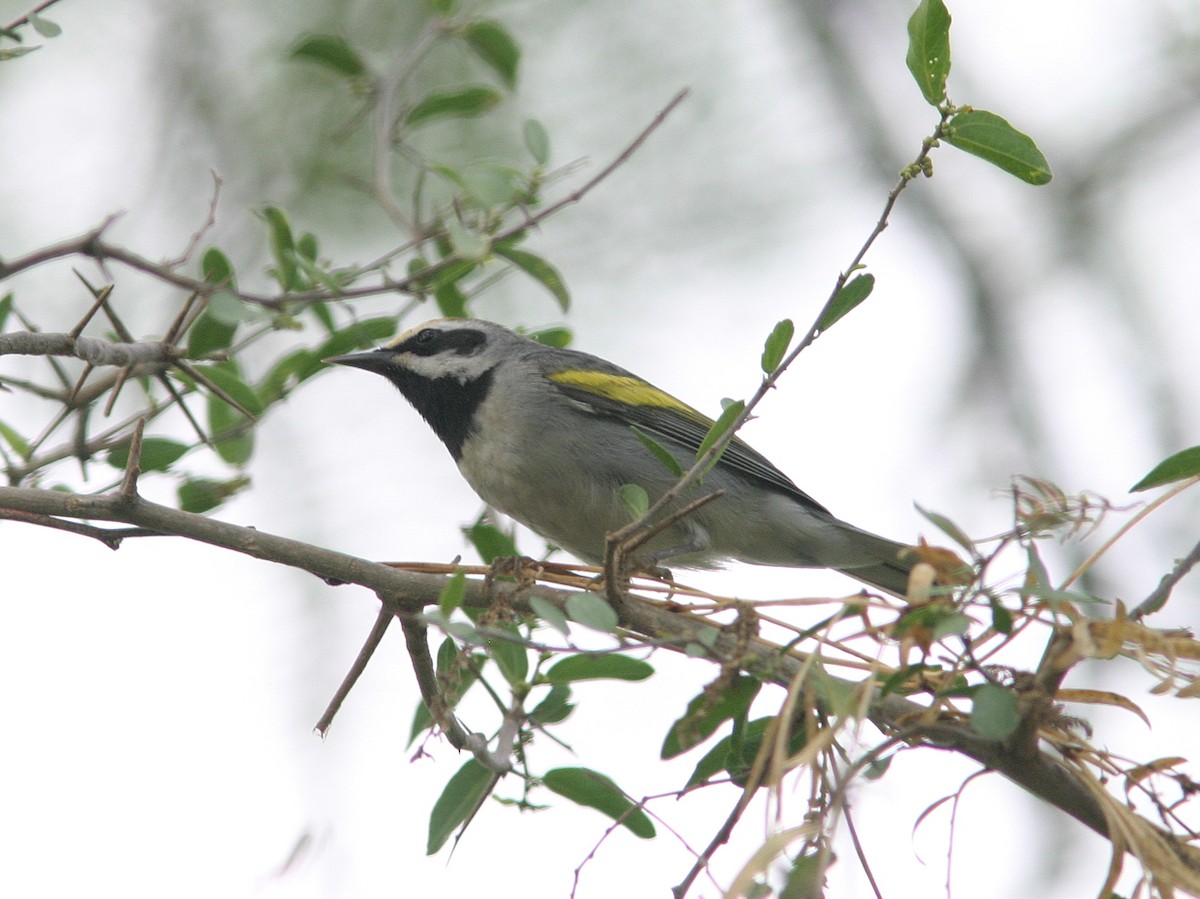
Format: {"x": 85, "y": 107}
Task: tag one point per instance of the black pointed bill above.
{"x": 371, "y": 360}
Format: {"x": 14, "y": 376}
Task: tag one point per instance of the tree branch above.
{"x": 95, "y": 350}
{"x": 1040, "y": 773}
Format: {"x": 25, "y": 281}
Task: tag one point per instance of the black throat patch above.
{"x": 448, "y": 404}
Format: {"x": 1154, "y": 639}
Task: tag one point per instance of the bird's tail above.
{"x": 886, "y": 563}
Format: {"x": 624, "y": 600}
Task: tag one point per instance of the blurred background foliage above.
{"x": 1047, "y": 331}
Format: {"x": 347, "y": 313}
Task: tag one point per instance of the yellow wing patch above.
{"x": 625, "y": 389}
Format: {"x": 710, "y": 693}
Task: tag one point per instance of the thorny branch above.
{"x": 1051, "y": 778}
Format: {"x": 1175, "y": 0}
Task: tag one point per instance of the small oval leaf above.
{"x": 592, "y": 610}
{"x": 332, "y": 52}
{"x": 706, "y": 712}
{"x": 660, "y": 452}
{"x": 158, "y": 454}
{"x": 988, "y": 136}
{"x": 495, "y": 46}
{"x": 994, "y": 712}
{"x": 463, "y": 795}
{"x": 538, "y": 269}
{"x": 587, "y": 666}
{"x": 537, "y": 141}
{"x": 777, "y": 345}
{"x": 929, "y": 49}
{"x": 852, "y": 293}
{"x": 465, "y": 103}
{"x": 635, "y": 499}
{"x": 452, "y": 594}
{"x": 592, "y": 789}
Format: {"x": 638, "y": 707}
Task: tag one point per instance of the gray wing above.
{"x": 664, "y": 418}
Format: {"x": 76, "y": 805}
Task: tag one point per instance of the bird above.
{"x": 548, "y": 436}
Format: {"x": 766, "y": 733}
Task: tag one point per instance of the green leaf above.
{"x": 538, "y": 269}
{"x": 490, "y": 542}
{"x": 777, "y": 345}
{"x": 235, "y": 448}
{"x": 283, "y": 248}
{"x": 331, "y": 51}
{"x": 953, "y": 624}
{"x": 306, "y": 246}
{"x": 592, "y": 789}
{"x": 202, "y": 494}
{"x": 947, "y": 527}
{"x": 735, "y": 753}
{"x": 720, "y": 426}
{"x": 217, "y": 269}
{"x": 19, "y": 444}
{"x": 457, "y": 673}
{"x": 555, "y": 337}
{"x": 359, "y": 334}
{"x": 592, "y": 610}
{"x": 495, "y": 46}
{"x": 452, "y": 594}
{"x": 994, "y": 712}
{"x": 1177, "y": 467}
{"x": 1002, "y": 619}
{"x": 321, "y": 313}
{"x": 6, "y": 307}
{"x": 878, "y": 767}
{"x": 635, "y": 499}
{"x": 510, "y": 653}
{"x": 806, "y": 878}
{"x": 451, "y": 301}
{"x": 706, "y": 712}
{"x": 593, "y": 666}
{"x": 988, "y": 136}
{"x": 463, "y": 796}
{"x": 465, "y": 103}
{"x": 550, "y": 614}
{"x": 443, "y": 7}
{"x": 44, "y": 27}
{"x": 660, "y": 452}
{"x": 537, "y": 141}
{"x": 209, "y": 335}
{"x": 230, "y": 428}
{"x": 158, "y": 454}
{"x": 928, "y": 55}
{"x": 852, "y": 293}
{"x": 287, "y": 373}
{"x": 226, "y": 376}
{"x": 556, "y": 707}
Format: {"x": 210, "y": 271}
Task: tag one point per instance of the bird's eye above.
{"x": 426, "y": 336}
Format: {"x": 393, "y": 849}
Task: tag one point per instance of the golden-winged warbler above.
{"x": 546, "y": 436}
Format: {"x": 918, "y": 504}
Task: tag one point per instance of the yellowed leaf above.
{"x": 1191, "y": 691}
{"x": 1102, "y": 697}
{"x": 1140, "y": 772}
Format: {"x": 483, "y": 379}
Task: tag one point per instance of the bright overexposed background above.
{"x": 159, "y": 700}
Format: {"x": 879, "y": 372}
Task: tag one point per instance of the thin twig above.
{"x": 110, "y": 537}
{"x": 100, "y": 297}
{"x": 36, "y": 11}
{"x": 704, "y": 462}
{"x": 1158, "y": 598}
{"x": 378, "y": 629}
{"x": 133, "y": 465}
{"x": 197, "y": 375}
{"x": 1126, "y": 527}
{"x": 207, "y": 226}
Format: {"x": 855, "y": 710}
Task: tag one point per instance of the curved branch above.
{"x": 1038, "y": 772}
